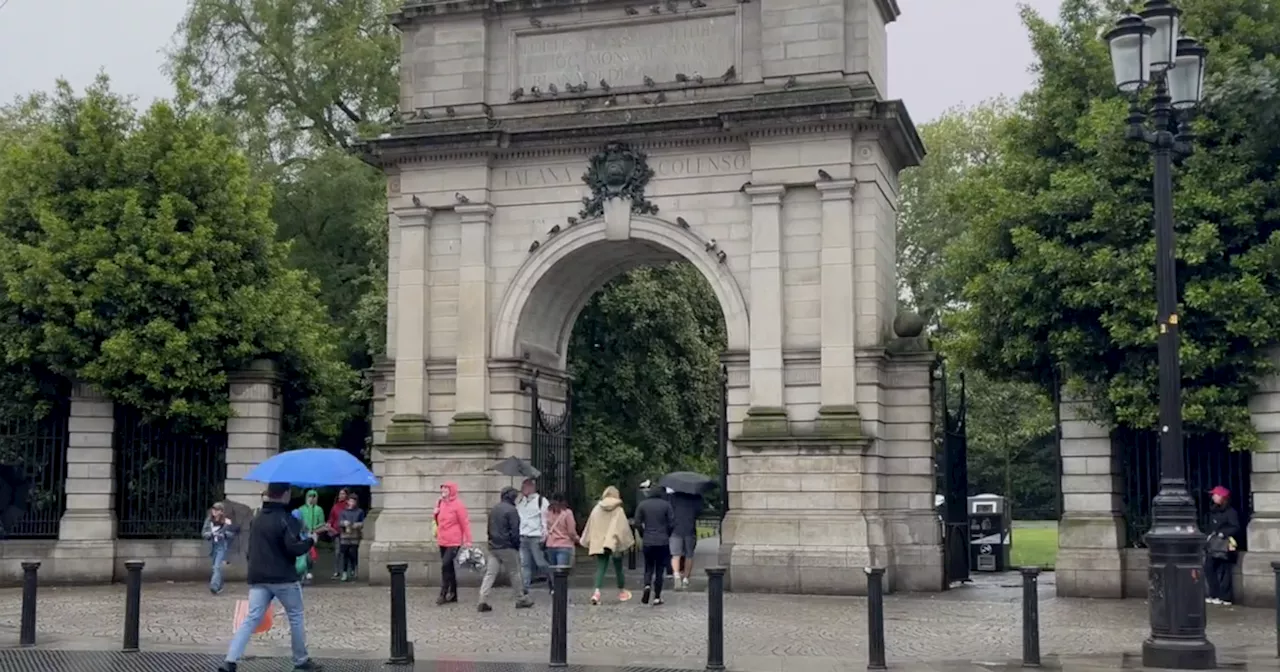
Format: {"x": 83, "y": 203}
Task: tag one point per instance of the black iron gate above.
{"x": 722, "y": 440}
{"x": 38, "y": 447}
{"x": 955, "y": 483}
{"x": 551, "y": 436}
{"x": 167, "y": 477}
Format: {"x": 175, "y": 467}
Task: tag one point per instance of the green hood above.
{"x": 312, "y": 514}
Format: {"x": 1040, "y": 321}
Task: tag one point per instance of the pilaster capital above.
{"x": 837, "y": 190}
{"x": 414, "y": 215}
{"x": 765, "y": 194}
{"x": 474, "y": 212}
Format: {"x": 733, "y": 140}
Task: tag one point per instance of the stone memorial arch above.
{"x": 547, "y": 147}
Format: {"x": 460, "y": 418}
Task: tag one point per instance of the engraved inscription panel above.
{"x": 625, "y": 55}
{"x": 685, "y": 165}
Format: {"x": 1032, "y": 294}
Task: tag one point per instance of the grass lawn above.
{"x": 1035, "y": 543}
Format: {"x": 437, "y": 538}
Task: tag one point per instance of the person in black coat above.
{"x": 656, "y": 520}
{"x": 504, "y": 551}
{"x": 1220, "y": 546}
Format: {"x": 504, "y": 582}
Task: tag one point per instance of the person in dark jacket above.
{"x": 1220, "y": 546}
{"x": 684, "y": 538}
{"x": 655, "y": 519}
{"x": 504, "y": 551}
{"x": 275, "y": 544}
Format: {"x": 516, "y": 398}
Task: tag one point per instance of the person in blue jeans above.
{"x": 275, "y": 544}
{"x": 218, "y": 530}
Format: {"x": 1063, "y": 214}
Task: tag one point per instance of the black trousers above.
{"x": 1219, "y": 578}
{"x": 657, "y": 559}
{"x": 350, "y": 557}
{"x": 448, "y": 571}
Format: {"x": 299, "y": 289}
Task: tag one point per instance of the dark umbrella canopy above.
{"x": 515, "y": 467}
{"x": 687, "y": 482}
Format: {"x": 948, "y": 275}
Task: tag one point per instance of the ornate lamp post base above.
{"x": 1176, "y": 586}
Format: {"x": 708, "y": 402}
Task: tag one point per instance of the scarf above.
{"x": 312, "y": 514}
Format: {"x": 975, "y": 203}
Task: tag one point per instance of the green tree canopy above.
{"x": 138, "y": 255}
{"x": 644, "y": 356}
{"x": 1060, "y": 254}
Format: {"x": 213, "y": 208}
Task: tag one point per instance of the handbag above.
{"x": 1218, "y": 547}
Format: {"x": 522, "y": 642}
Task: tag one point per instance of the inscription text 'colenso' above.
{"x": 624, "y": 55}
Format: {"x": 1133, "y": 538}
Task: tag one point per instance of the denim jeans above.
{"x": 260, "y": 596}
{"x": 560, "y": 556}
{"x": 218, "y": 552}
{"x": 532, "y": 559}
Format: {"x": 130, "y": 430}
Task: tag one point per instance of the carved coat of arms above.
{"x": 617, "y": 171}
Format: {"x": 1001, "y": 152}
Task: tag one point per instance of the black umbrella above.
{"x": 515, "y": 467}
{"x": 687, "y": 482}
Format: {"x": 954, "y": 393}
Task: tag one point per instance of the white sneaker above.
{"x": 1223, "y": 603}
{"x": 684, "y": 583}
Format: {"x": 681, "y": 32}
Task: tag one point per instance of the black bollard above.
{"x": 1275, "y": 568}
{"x": 401, "y": 647}
{"x": 875, "y": 618}
{"x": 1030, "y": 617}
{"x": 560, "y": 616}
{"x": 27, "y": 637}
{"x": 132, "y": 604}
{"x": 715, "y": 618}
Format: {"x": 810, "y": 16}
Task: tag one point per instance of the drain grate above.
{"x": 23, "y": 660}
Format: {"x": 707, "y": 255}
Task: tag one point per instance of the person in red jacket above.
{"x": 453, "y": 531}
{"x": 336, "y": 510}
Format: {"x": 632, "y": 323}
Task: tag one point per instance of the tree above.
{"x": 928, "y": 220}
{"x": 1011, "y": 432}
{"x": 644, "y": 356}
{"x": 294, "y": 74}
{"x": 1060, "y": 253}
{"x": 138, "y": 255}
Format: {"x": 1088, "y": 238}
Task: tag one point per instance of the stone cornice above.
{"x": 768, "y": 112}
{"x": 414, "y": 11}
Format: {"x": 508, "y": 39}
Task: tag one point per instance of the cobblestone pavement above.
{"x": 966, "y": 624}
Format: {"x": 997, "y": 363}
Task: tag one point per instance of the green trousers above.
{"x": 602, "y": 566}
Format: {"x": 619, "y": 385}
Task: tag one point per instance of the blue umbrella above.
{"x": 313, "y": 467}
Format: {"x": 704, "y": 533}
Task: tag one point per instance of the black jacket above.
{"x": 687, "y": 508}
{"x": 275, "y": 542}
{"x": 504, "y": 522}
{"x": 1223, "y": 521}
{"x": 656, "y": 519}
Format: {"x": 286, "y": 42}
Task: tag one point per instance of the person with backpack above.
{"x": 532, "y": 507}
{"x": 1220, "y": 548}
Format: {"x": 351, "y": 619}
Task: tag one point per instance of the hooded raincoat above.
{"x": 607, "y": 526}
{"x": 453, "y": 525}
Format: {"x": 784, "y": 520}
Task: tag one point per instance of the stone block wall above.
{"x": 1091, "y": 532}
{"x": 1263, "y": 534}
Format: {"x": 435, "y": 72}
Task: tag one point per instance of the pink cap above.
{"x": 1220, "y": 491}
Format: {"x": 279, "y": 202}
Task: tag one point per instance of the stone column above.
{"x": 838, "y": 412}
{"x": 1257, "y": 586}
{"x": 1092, "y": 531}
{"x": 85, "y": 551}
{"x": 393, "y": 281}
{"x": 767, "y": 414}
{"x": 253, "y": 430}
{"x": 409, "y": 423}
{"x": 471, "y": 416}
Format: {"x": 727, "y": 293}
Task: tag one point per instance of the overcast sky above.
{"x": 942, "y": 53}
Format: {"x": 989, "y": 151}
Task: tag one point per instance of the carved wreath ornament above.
{"x": 617, "y": 171}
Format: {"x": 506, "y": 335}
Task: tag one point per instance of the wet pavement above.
{"x": 959, "y": 629}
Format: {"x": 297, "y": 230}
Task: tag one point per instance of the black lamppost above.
{"x": 1146, "y": 50}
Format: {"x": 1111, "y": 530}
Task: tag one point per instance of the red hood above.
{"x": 451, "y": 491}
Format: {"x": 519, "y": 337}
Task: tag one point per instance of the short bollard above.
{"x": 132, "y": 604}
{"x": 27, "y": 636}
{"x": 875, "y": 618}
{"x": 715, "y": 618}
{"x": 401, "y": 647}
{"x": 1275, "y": 568}
{"x": 560, "y": 616}
{"x": 1030, "y": 617}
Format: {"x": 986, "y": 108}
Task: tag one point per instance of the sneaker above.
{"x": 1224, "y": 603}
{"x": 441, "y": 600}
{"x": 1213, "y": 600}
{"x": 644, "y": 595}
{"x": 624, "y": 595}
{"x": 524, "y": 604}
{"x": 684, "y": 583}
{"x": 484, "y": 608}
{"x": 337, "y": 575}
{"x": 309, "y": 666}
{"x": 657, "y": 601}
{"x": 309, "y": 577}
{"x": 227, "y": 667}
{"x": 595, "y": 597}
